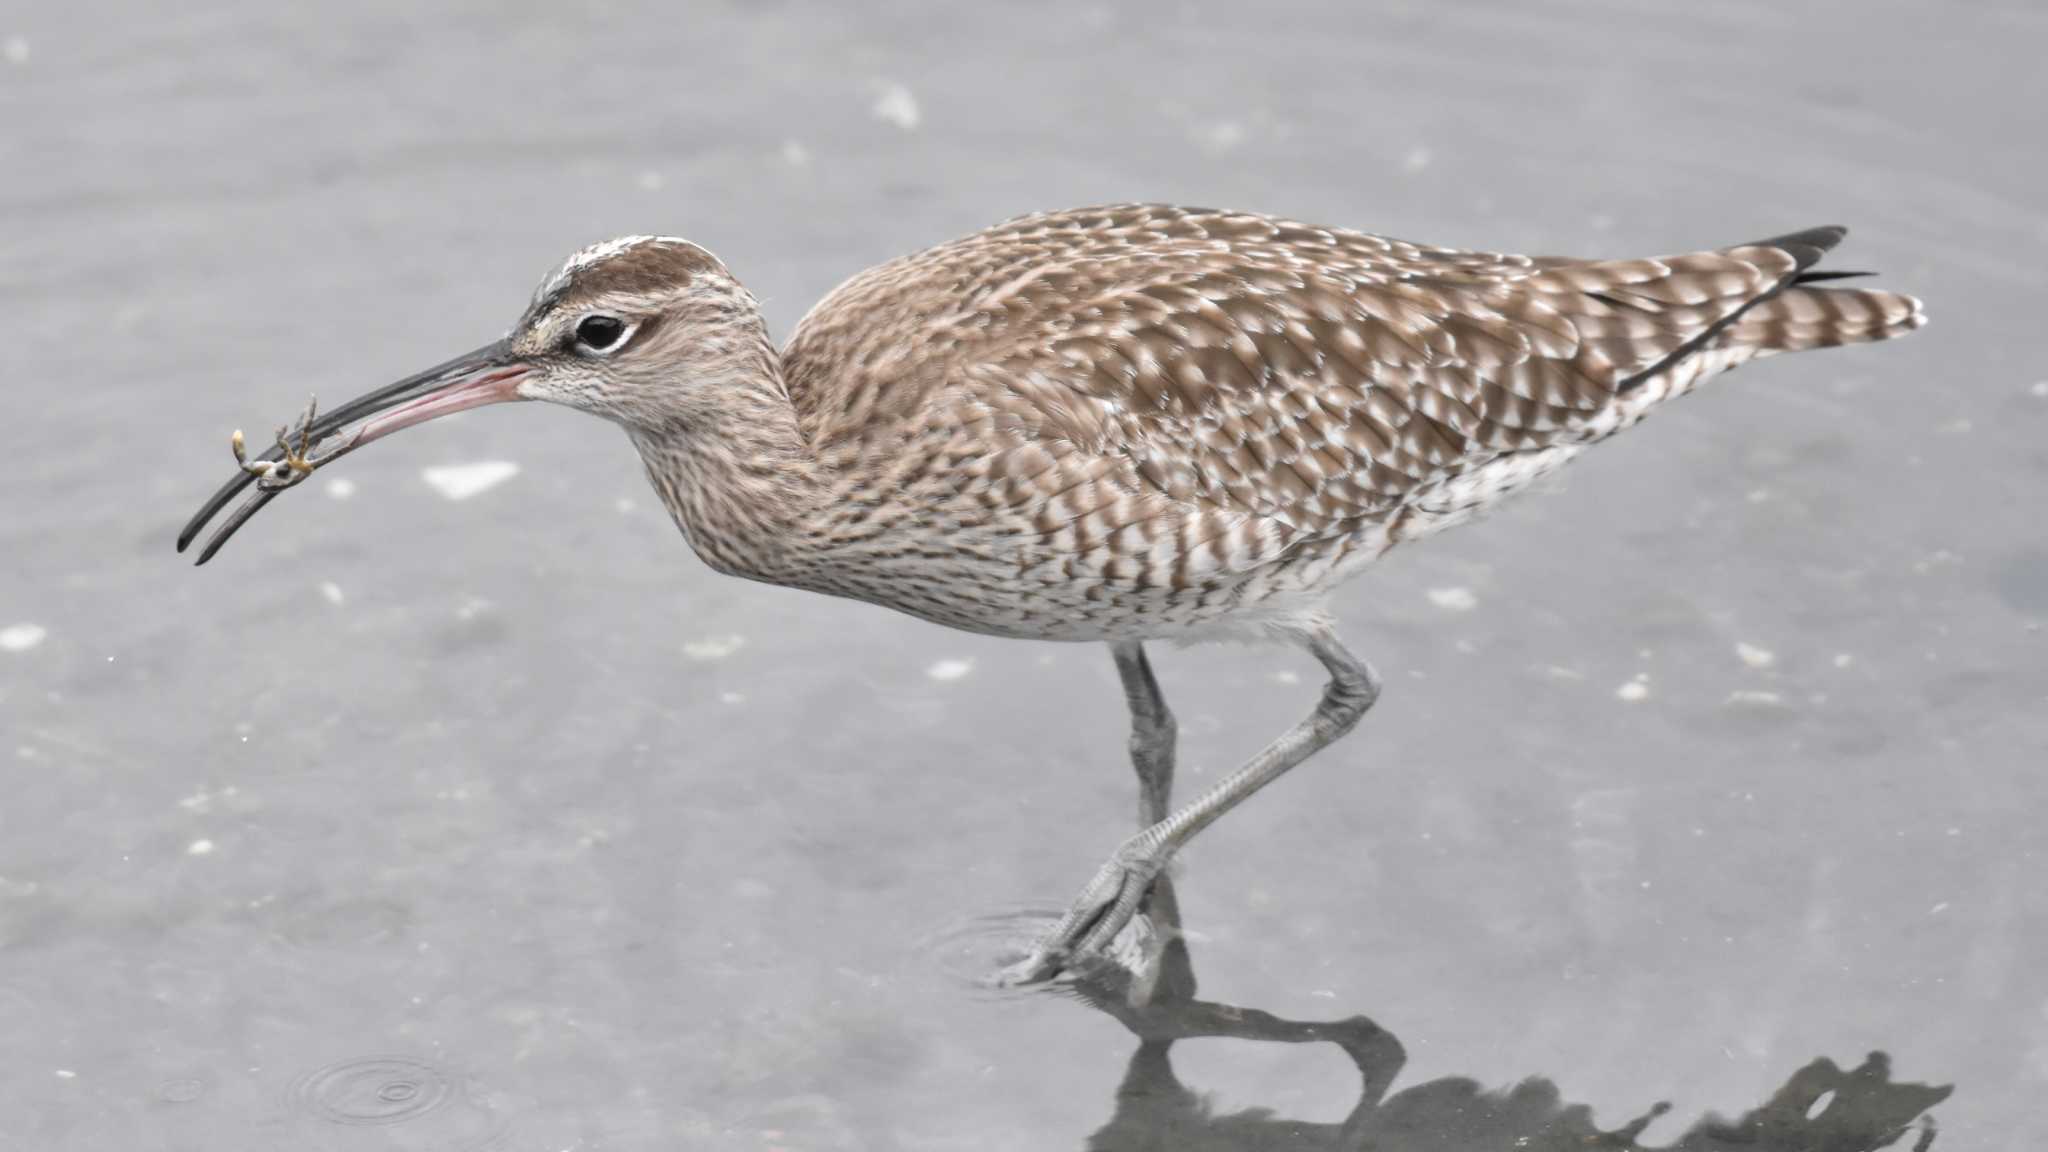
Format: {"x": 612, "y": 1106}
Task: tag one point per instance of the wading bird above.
{"x": 1116, "y": 424}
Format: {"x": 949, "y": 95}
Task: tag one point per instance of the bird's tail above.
{"x": 1667, "y": 324}
{"x": 1663, "y": 325}
{"x": 1804, "y": 315}
{"x": 1800, "y": 314}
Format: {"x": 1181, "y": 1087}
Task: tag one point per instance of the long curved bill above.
{"x": 488, "y": 375}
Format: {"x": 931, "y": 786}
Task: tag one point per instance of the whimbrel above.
{"x": 1116, "y": 424}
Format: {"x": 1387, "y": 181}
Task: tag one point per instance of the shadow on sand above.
{"x": 1864, "y": 1109}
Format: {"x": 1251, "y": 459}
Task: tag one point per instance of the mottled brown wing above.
{"x": 1317, "y": 377}
{"x": 1204, "y": 391}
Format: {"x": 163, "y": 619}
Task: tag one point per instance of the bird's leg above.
{"x": 1112, "y": 897}
{"x": 1156, "y": 926}
{"x": 1152, "y": 731}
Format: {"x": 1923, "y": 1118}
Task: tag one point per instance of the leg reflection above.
{"x": 1149, "y": 985}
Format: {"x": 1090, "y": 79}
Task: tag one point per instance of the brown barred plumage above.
{"x": 1170, "y": 420}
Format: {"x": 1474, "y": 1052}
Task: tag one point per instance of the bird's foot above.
{"x": 296, "y": 461}
{"x": 1092, "y": 923}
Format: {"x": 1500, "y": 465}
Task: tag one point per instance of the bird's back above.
{"x": 1191, "y": 404}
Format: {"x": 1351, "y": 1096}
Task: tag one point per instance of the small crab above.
{"x": 298, "y": 461}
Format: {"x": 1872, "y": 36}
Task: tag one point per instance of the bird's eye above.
{"x": 600, "y": 333}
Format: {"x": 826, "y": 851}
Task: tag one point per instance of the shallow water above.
{"x": 456, "y": 806}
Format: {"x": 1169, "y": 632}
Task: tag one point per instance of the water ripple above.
{"x": 437, "y": 1106}
{"x": 973, "y": 952}
{"x": 372, "y": 1090}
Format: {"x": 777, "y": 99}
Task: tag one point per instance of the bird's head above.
{"x": 642, "y": 330}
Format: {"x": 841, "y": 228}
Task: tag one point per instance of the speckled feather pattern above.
{"x": 1146, "y": 421}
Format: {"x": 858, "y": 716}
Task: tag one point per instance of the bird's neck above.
{"x": 738, "y": 476}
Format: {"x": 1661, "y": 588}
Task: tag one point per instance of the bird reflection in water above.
{"x": 1150, "y": 988}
